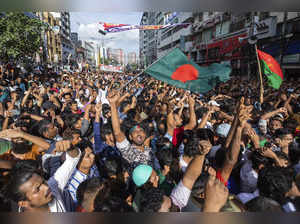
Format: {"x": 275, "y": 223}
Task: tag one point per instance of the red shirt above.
{"x": 177, "y": 136}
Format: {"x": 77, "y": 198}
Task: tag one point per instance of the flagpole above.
{"x": 138, "y": 75}
{"x": 261, "y": 99}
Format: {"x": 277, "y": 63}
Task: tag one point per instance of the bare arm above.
{"x": 232, "y": 154}
{"x": 119, "y": 135}
{"x": 26, "y": 97}
{"x": 193, "y": 121}
{"x": 13, "y": 133}
{"x": 195, "y": 167}
{"x": 272, "y": 113}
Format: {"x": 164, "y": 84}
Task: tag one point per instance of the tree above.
{"x": 20, "y": 36}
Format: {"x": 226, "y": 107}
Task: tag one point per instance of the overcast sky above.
{"x": 86, "y": 24}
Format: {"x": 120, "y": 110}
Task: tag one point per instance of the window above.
{"x": 264, "y": 15}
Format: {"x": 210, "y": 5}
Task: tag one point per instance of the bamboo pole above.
{"x": 261, "y": 99}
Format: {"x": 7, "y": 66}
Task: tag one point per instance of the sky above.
{"x": 86, "y": 24}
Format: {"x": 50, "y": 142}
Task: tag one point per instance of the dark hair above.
{"x": 263, "y": 204}
{"x": 123, "y": 105}
{"x": 112, "y": 166}
{"x": 71, "y": 119}
{"x": 294, "y": 153}
{"x": 257, "y": 159}
{"x": 88, "y": 186}
{"x": 280, "y": 133}
{"x": 152, "y": 200}
{"x": 191, "y": 148}
{"x": 275, "y": 182}
{"x": 109, "y": 200}
{"x": 18, "y": 178}
{"x": 106, "y": 129}
{"x": 164, "y": 156}
{"x": 69, "y": 132}
{"x": 160, "y": 130}
{"x": 205, "y": 134}
{"x": 105, "y": 108}
{"x": 131, "y": 114}
{"x": 282, "y": 155}
{"x": 43, "y": 126}
{"x": 21, "y": 147}
{"x": 111, "y": 204}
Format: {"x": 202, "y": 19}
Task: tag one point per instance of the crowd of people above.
{"x": 95, "y": 142}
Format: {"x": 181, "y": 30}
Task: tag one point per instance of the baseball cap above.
{"x": 223, "y": 130}
{"x": 141, "y": 174}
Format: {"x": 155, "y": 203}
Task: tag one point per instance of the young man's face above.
{"x": 109, "y": 138}
{"x": 74, "y": 106}
{"x": 88, "y": 159}
{"x": 138, "y": 136}
{"x": 37, "y": 192}
{"x": 52, "y": 131}
{"x": 274, "y": 125}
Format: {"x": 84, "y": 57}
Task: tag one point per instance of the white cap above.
{"x": 213, "y": 103}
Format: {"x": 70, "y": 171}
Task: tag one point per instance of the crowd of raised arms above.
{"x": 90, "y": 142}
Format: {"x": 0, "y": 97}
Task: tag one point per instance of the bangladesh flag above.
{"x": 271, "y": 69}
{"x": 176, "y": 69}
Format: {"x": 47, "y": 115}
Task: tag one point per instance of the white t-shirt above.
{"x": 180, "y": 195}
{"x": 183, "y": 165}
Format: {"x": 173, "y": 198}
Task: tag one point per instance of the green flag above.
{"x": 176, "y": 69}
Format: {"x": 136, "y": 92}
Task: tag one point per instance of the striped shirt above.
{"x": 77, "y": 178}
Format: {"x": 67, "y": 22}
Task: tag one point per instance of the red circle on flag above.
{"x": 184, "y": 73}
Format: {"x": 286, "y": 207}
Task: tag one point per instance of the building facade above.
{"x": 131, "y": 58}
{"x": 157, "y": 43}
{"x": 117, "y": 55}
{"x": 228, "y": 37}
{"x": 177, "y": 36}
{"x": 52, "y": 41}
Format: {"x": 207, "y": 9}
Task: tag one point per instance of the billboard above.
{"x": 111, "y": 68}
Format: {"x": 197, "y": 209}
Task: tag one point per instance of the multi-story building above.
{"x": 131, "y": 58}
{"x": 149, "y": 38}
{"x": 223, "y": 36}
{"x": 117, "y": 55}
{"x": 90, "y": 53}
{"x": 157, "y": 43}
{"x": 52, "y": 40}
{"x": 176, "y": 36}
{"x": 68, "y": 49}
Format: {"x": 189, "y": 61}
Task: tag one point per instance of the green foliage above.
{"x": 20, "y": 36}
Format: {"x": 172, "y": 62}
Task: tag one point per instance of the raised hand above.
{"x": 216, "y": 195}
{"x": 62, "y": 146}
{"x": 204, "y": 147}
{"x": 113, "y": 98}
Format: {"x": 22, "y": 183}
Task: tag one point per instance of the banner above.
{"x": 111, "y": 68}
{"x": 114, "y": 28}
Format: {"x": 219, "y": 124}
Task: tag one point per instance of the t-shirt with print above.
{"x": 135, "y": 156}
